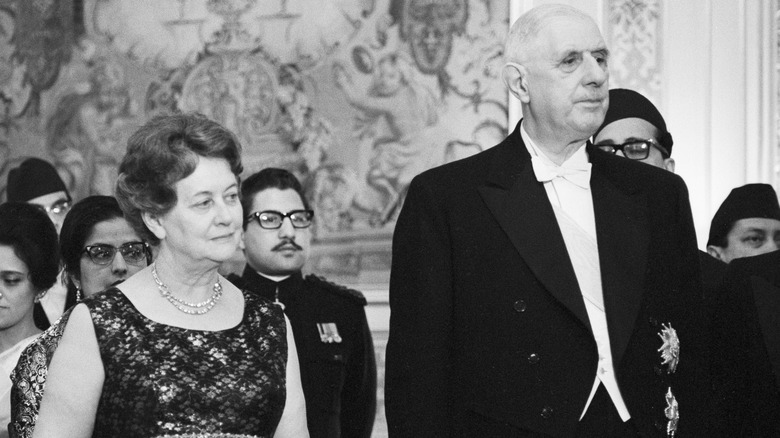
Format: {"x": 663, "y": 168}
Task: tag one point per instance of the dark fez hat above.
{"x": 750, "y": 200}
{"x": 626, "y": 104}
{"x": 33, "y": 178}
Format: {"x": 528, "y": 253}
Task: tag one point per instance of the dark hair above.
{"x": 269, "y": 178}
{"x": 162, "y": 152}
{"x": 29, "y": 231}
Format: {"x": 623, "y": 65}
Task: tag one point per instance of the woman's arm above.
{"x": 293, "y": 421}
{"x": 74, "y": 382}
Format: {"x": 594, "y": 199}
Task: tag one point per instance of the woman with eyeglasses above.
{"x": 99, "y": 249}
{"x": 177, "y": 350}
{"x": 92, "y": 234}
{"x": 29, "y": 264}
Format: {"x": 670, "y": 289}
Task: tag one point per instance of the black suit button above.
{"x": 547, "y": 412}
{"x": 658, "y": 370}
{"x": 520, "y": 306}
{"x": 533, "y": 358}
{"x": 653, "y": 322}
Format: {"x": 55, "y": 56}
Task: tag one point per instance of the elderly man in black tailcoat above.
{"x": 543, "y": 287}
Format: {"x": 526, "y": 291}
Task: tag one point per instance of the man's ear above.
{"x": 716, "y": 252}
{"x": 515, "y": 77}
{"x": 154, "y": 223}
{"x": 669, "y": 164}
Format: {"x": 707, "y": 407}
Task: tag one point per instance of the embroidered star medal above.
{"x": 670, "y": 349}
{"x": 672, "y": 412}
{"x": 329, "y": 333}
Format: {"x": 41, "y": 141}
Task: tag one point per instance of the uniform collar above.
{"x": 266, "y": 287}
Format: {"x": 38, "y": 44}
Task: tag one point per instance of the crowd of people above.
{"x": 549, "y": 286}
{"x": 149, "y": 339}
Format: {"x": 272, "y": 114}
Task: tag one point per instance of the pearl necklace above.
{"x": 185, "y": 306}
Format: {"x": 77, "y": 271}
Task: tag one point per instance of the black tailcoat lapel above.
{"x": 521, "y": 207}
{"x": 623, "y": 240}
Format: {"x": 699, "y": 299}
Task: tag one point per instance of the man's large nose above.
{"x": 287, "y": 229}
{"x": 597, "y": 72}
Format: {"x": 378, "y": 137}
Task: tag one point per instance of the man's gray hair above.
{"x": 527, "y": 27}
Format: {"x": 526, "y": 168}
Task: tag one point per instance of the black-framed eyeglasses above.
{"x": 134, "y": 253}
{"x": 271, "y": 220}
{"x": 634, "y": 149}
{"x": 57, "y": 208}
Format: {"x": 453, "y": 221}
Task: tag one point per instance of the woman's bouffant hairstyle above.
{"x": 29, "y": 231}
{"x": 163, "y": 152}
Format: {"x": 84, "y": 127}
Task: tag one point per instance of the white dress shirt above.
{"x": 573, "y": 206}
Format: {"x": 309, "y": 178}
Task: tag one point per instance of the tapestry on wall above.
{"x": 355, "y": 96}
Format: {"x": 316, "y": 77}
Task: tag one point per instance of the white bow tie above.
{"x": 577, "y": 174}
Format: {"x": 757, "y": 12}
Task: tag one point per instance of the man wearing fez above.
{"x": 544, "y": 287}
{"x": 634, "y": 128}
{"x": 746, "y": 224}
{"x": 37, "y": 182}
{"x": 336, "y": 352}
{"x": 747, "y": 326}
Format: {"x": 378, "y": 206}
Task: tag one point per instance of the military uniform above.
{"x": 336, "y": 352}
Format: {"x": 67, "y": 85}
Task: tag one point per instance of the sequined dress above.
{"x": 28, "y": 379}
{"x": 162, "y": 380}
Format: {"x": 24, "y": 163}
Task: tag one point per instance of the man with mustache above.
{"x": 335, "y": 349}
{"x": 545, "y": 288}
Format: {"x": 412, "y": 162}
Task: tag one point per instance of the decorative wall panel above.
{"x": 634, "y": 34}
{"x": 776, "y": 164}
{"x": 355, "y": 96}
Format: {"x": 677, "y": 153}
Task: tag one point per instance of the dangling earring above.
{"x": 39, "y": 296}
{"x": 78, "y": 294}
